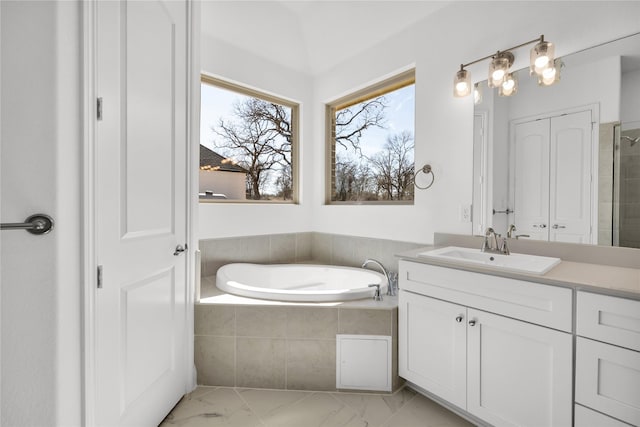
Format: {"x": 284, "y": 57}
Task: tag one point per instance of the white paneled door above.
{"x": 140, "y": 202}
{"x": 551, "y": 178}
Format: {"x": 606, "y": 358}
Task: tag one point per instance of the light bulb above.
{"x": 508, "y": 85}
{"x": 541, "y": 62}
{"x": 462, "y": 84}
{"x": 497, "y": 75}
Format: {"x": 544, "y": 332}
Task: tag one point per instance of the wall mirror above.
{"x": 562, "y": 163}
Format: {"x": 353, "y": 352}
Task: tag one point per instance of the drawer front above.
{"x": 609, "y": 319}
{"x": 532, "y": 302}
{"x": 608, "y": 379}
{"x": 585, "y": 417}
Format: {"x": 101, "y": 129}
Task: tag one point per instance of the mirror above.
{"x": 562, "y": 163}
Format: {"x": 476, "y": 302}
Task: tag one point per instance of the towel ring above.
{"x": 426, "y": 169}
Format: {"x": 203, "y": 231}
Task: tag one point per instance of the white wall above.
{"x": 630, "y": 103}
{"x": 437, "y": 45}
{"x": 40, "y": 172}
{"x": 225, "y": 220}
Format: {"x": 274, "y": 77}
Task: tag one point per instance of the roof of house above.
{"x": 210, "y": 160}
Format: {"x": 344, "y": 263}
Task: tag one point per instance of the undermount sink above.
{"x": 532, "y": 264}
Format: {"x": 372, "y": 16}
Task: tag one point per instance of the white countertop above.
{"x": 605, "y": 279}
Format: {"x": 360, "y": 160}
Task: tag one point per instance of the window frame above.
{"x": 398, "y": 81}
{"x": 295, "y": 136}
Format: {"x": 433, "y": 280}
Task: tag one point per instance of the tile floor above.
{"x": 244, "y": 407}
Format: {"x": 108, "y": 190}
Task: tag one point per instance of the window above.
{"x": 248, "y": 144}
{"x": 370, "y": 144}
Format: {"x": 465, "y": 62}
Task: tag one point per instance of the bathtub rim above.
{"x": 302, "y": 296}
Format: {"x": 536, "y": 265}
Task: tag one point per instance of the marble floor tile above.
{"x": 423, "y": 412}
{"x": 264, "y": 403}
{"x": 212, "y": 407}
{"x": 245, "y": 407}
{"x": 375, "y": 409}
{"x": 319, "y": 409}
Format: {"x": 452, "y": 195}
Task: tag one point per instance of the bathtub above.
{"x": 298, "y": 282}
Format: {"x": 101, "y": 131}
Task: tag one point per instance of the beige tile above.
{"x": 321, "y": 247}
{"x": 252, "y": 321}
{"x": 255, "y": 249}
{"x": 261, "y": 362}
{"x": 282, "y": 248}
{"x": 218, "y": 407}
{"x": 343, "y": 251}
{"x": 310, "y": 322}
{"x": 265, "y": 403}
{"x": 375, "y": 409}
{"x": 365, "y": 321}
{"x": 215, "y": 319}
{"x": 311, "y": 365}
{"x": 215, "y": 360}
{"x": 423, "y": 412}
{"x": 364, "y": 248}
{"x": 316, "y": 410}
{"x": 208, "y": 287}
{"x": 303, "y": 247}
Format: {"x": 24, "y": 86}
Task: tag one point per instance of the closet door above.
{"x": 570, "y": 179}
{"x": 140, "y": 330}
{"x": 530, "y": 162}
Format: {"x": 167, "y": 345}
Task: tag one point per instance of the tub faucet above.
{"x": 390, "y": 285}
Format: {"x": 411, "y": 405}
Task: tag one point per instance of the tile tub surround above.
{"x": 245, "y": 407}
{"x": 282, "y": 346}
{"x": 321, "y": 248}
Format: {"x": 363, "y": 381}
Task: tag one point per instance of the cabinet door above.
{"x": 432, "y": 345}
{"x": 519, "y": 374}
{"x": 608, "y": 379}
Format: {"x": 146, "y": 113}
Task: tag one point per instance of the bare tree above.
{"x": 354, "y": 180}
{"x": 394, "y": 167}
{"x": 352, "y": 121}
{"x": 259, "y": 138}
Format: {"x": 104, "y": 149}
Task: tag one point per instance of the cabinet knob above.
{"x": 472, "y": 322}
{"x": 459, "y": 318}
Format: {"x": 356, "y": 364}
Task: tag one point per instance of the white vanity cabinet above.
{"x": 608, "y": 358}
{"x": 475, "y": 341}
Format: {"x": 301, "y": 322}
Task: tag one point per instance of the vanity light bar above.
{"x": 543, "y": 66}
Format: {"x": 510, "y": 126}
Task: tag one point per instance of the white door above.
{"x": 519, "y": 374}
{"x": 530, "y": 162}
{"x": 140, "y": 200}
{"x": 570, "y": 180}
{"x": 432, "y": 345}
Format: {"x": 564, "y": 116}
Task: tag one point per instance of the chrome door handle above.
{"x": 472, "y": 322}
{"x": 540, "y": 225}
{"x": 35, "y": 224}
{"x": 459, "y": 318}
{"x": 180, "y": 249}
{"x": 556, "y": 226}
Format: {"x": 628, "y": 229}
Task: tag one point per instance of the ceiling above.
{"x": 310, "y": 36}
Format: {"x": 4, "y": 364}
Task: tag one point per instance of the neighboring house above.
{"x": 220, "y": 177}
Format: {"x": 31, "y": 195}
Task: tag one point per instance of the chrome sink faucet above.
{"x": 491, "y": 243}
{"x": 390, "y": 283}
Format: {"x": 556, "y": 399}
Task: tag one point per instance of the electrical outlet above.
{"x": 465, "y": 213}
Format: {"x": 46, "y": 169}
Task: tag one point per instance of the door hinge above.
{"x": 99, "y": 108}
{"x": 99, "y": 277}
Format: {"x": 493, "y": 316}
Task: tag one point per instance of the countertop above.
{"x": 597, "y": 278}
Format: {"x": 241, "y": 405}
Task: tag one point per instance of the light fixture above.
{"x": 499, "y": 68}
{"x": 509, "y": 86}
{"x": 551, "y": 74}
{"x": 462, "y": 83}
{"x": 543, "y": 66}
{"x": 542, "y": 56}
{"x": 477, "y": 93}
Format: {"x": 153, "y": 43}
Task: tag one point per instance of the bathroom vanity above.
{"x": 514, "y": 349}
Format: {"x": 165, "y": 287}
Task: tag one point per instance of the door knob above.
{"x": 459, "y": 318}
{"x": 556, "y": 226}
{"x": 472, "y": 322}
{"x": 180, "y": 249}
{"x": 540, "y": 225}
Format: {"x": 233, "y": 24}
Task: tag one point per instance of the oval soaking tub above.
{"x": 298, "y": 282}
